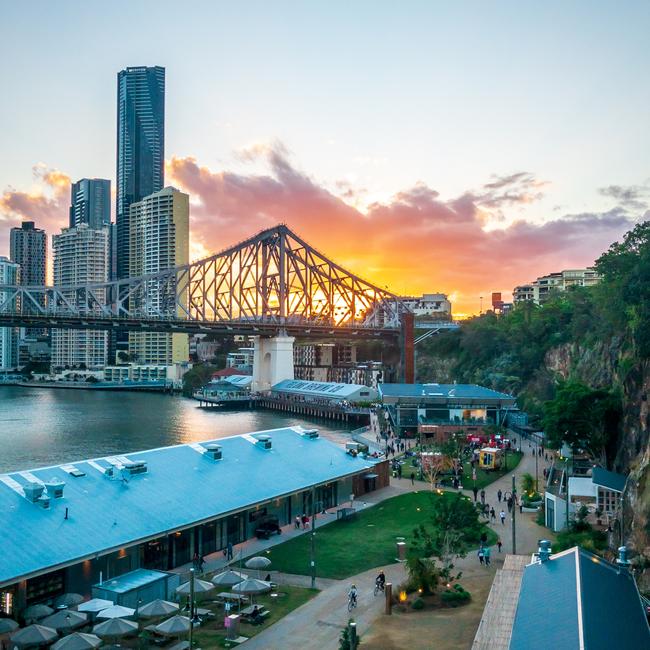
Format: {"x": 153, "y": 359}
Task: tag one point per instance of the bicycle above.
{"x": 352, "y": 602}
{"x": 379, "y": 588}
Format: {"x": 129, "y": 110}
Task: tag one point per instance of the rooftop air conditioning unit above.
{"x": 134, "y": 467}
{"x": 214, "y": 451}
{"x": 33, "y": 491}
{"x": 264, "y": 441}
{"x": 312, "y": 434}
{"x": 55, "y": 488}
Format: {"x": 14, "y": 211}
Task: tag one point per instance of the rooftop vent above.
{"x": 214, "y": 451}
{"x": 33, "y": 491}
{"x": 544, "y": 550}
{"x": 312, "y": 434}
{"x": 55, "y": 488}
{"x": 135, "y": 467}
{"x": 44, "y": 501}
{"x": 264, "y": 441}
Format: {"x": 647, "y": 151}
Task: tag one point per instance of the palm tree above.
{"x": 527, "y": 483}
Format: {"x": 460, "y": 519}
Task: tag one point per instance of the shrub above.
{"x": 456, "y": 596}
{"x": 418, "y": 603}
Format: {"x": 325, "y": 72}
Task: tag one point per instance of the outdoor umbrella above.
{"x": 34, "y": 612}
{"x": 33, "y": 636}
{"x": 157, "y": 608}
{"x": 7, "y": 625}
{"x": 200, "y": 587}
{"x": 115, "y": 627}
{"x": 252, "y": 586}
{"x": 94, "y": 605}
{"x": 65, "y": 620}
{"x": 68, "y": 600}
{"x": 77, "y": 641}
{"x": 174, "y": 626}
{"x": 116, "y": 611}
{"x": 228, "y": 578}
{"x": 258, "y": 562}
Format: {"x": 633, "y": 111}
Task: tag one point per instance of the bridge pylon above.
{"x": 272, "y": 361}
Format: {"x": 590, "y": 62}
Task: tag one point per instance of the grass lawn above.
{"x": 213, "y": 633}
{"x": 483, "y": 478}
{"x": 345, "y": 548}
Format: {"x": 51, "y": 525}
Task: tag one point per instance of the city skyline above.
{"x": 409, "y": 159}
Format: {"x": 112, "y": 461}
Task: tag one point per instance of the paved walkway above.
{"x": 318, "y": 623}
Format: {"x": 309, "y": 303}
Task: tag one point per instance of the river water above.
{"x": 46, "y": 426}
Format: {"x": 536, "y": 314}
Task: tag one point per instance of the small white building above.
{"x": 429, "y": 304}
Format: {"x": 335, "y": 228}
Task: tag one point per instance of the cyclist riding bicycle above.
{"x": 380, "y": 580}
{"x": 352, "y": 594}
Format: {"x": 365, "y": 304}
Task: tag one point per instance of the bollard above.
{"x": 352, "y": 626}
{"x": 388, "y": 591}
{"x": 401, "y": 552}
{"x": 233, "y": 626}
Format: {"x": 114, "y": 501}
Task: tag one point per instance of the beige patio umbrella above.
{"x": 258, "y": 562}
{"x": 33, "y": 636}
{"x": 174, "y": 626}
{"x": 7, "y": 625}
{"x": 116, "y": 611}
{"x": 36, "y": 612}
{"x": 200, "y": 587}
{"x": 157, "y": 608}
{"x": 68, "y": 600}
{"x": 252, "y": 586}
{"x": 78, "y": 641}
{"x": 65, "y": 620}
{"x": 114, "y": 628}
{"x": 228, "y": 578}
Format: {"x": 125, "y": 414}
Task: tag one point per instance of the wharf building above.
{"x": 434, "y": 305}
{"x": 159, "y": 240}
{"x": 28, "y": 248}
{"x": 67, "y": 527}
{"x": 81, "y": 256}
{"x": 440, "y": 410}
{"x": 9, "y": 274}
{"x": 539, "y": 290}
{"x": 90, "y": 203}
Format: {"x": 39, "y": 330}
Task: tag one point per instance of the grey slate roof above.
{"x": 181, "y": 487}
{"x": 607, "y": 479}
{"x": 577, "y": 600}
{"x": 330, "y": 390}
{"x": 445, "y": 391}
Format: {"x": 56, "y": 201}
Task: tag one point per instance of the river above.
{"x": 46, "y": 426}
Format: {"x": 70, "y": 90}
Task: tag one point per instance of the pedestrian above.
{"x": 305, "y": 521}
{"x": 546, "y": 457}
{"x": 521, "y": 506}
{"x": 413, "y": 480}
{"x": 475, "y": 490}
{"x": 482, "y": 496}
{"x": 509, "y": 504}
{"x": 201, "y": 564}
{"x": 229, "y": 551}
{"x": 480, "y": 555}
{"x": 195, "y": 561}
{"x": 499, "y": 495}
{"x": 296, "y": 522}
{"x": 499, "y": 544}
{"x": 503, "y": 518}
{"x": 493, "y": 514}
{"x": 399, "y": 471}
{"x": 486, "y": 555}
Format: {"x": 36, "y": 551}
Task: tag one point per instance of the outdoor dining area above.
{"x": 226, "y": 601}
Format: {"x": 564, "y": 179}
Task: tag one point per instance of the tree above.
{"x": 433, "y": 465}
{"x": 527, "y": 483}
{"x": 584, "y": 418}
{"x": 346, "y": 642}
{"x": 197, "y": 377}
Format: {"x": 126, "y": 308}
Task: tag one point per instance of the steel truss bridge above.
{"x": 273, "y": 282}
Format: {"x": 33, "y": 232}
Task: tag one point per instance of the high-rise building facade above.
{"x": 140, "y": 147}
{"x": 28, "y": 248}
{"x": 90, "y": 203}
{"x": 9, "y": 274}
{"x": 159, "y": 240}
{"x": 81, "y": 256}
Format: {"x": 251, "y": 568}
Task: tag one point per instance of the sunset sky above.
{"x": 462, "y": 147}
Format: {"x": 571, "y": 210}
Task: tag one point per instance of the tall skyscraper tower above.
{"x": 9, "y": 274}
{"x": 160, "y": 233}
{"x": 28, "y": 247}
{"x": 90, "y": 203}
{"x": 140, "y": 146}
{"x": 81, "y": 256}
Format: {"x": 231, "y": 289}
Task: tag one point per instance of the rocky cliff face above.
{"x": 607, "y": 365}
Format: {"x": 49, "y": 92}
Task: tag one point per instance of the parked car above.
{"x": 267, "y": 527}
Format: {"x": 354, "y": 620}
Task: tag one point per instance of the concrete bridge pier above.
{"x": 272, "y": 361}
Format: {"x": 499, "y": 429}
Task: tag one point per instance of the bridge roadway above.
{"x": 291, "y": 326}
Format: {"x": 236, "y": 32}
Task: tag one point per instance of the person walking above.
{"x": 475, "y": 491}
{"x": 499, "y": 544}
{"x": 296, "y": 522}
{"x": 493, "y": 514}
{"x": 399, "y": 471}
{"x": 486, "y": 555}
{"x": 502, "y": 514}
{"x": 499, "y": 495}
{"x": 229, "y": 551}
{"x": 480, "y": 555}
{"x": 413, "y": 481}
{"x": 483, "y": 496}
{"x": 521, "y": 506}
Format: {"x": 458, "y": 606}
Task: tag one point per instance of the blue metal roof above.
{"x": 181, "y": 487}
{"x": 329, "y": 390}
{"x": 577, "y": 600}
{"x": 607, "y": 479}
{"x": 443, "y": 391}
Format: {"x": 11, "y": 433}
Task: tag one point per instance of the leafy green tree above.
{"x": 527, "y": 483}
{"x": 198, "y": 376}
{"x": 583, "y": 417}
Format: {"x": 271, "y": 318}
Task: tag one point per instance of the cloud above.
{"x": 47, "y": 205}
{"x": 633, "y": 197}
{"x": 417, "y": 241}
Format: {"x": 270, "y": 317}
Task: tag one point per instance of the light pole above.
{"x": 191, "y": 635}
{"x": 312, "y": 540}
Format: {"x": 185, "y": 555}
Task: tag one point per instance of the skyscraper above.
{"x": 81, "y": 256}
{"x": 140, "y": 146}
{"x": 28, "y": 247}
{"x": 90, "y": 203}
{"x": 9, "y": 274}
{"x": 159, "y": 240}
